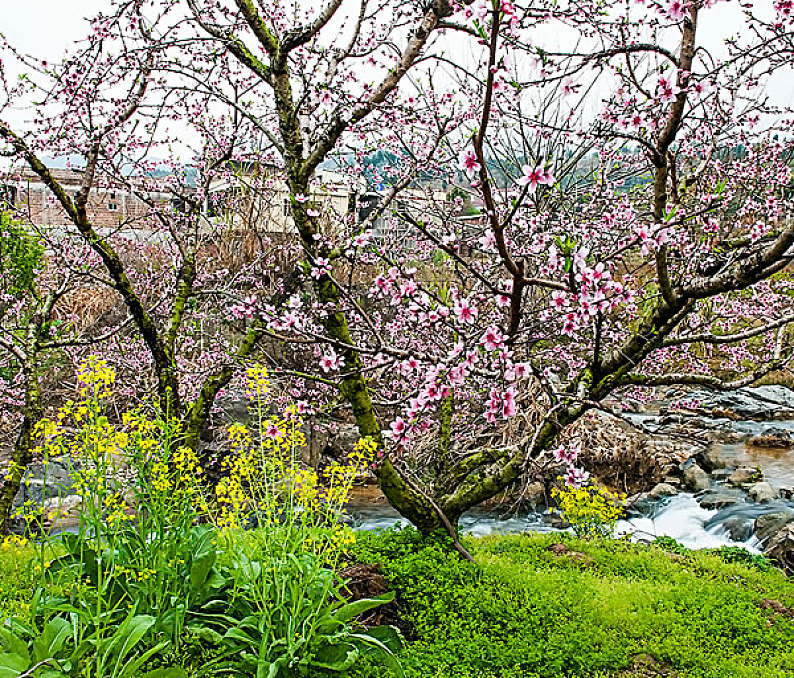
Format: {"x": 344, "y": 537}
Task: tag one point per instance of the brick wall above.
{"x": 108, "y": 207}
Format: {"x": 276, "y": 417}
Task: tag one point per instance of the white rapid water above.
{"x": 679, "y": 517}
{"x": 683, "y": 519}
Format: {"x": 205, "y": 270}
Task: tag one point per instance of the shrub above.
{"x": 591, "y": 510}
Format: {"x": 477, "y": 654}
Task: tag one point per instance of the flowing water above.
{"x": 680, "y": 517}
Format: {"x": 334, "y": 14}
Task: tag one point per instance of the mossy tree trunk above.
{"x": 32, "y": 412}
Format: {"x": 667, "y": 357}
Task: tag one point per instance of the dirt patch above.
{"x": 647, "y": 666}
{"x": 562, "y": 551}
{"x": 366, "y": 581}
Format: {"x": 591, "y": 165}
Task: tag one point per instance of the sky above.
{"x": 49, "y": 27}
{"x": 46, "y": 27}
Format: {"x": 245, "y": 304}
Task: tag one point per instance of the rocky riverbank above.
{"x": 723, "y": 462}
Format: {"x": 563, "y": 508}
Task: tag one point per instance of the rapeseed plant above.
{"x": 591, "y": 510}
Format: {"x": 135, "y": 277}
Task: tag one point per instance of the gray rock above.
{"x": 773, "y": 436}
{"x": 675, "y": 481}
{"x": 534, "y": 494}
{"x": 45, "y": 481}
{"x": 762, "y": 492}
{"x": 719, "y": 498}
{"x": 761, "y": 403}
{"x": 781, "y": 548}
{"x": 662, "y": 490}
{"x": 62, "y": 514}
{"x": 738, "y": 529}
{"x": 722, "y": 474}
{"x": 696, "y": 479}
{"x": 769, "y": 523}
{"x": 745, "y": 474}
{"x": 342, "y": 442}
{"x": 711, "y": 459}
{"x": 639, "y": 504}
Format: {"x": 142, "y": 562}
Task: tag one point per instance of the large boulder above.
{"x": 712, "y": 458}
{"x": 696, "y": 479}
{"x": 762, "y": 492}
{"x": 720, "y": 498}
{"x": 661, "y": 491}
{"x": 770, "y": 523}
{"x": 761, "y": 403}
{"x": 780, "y": 548}
{"x": 44, "y": 481}
{"x": 738, "y": 528}
{"x": 534, "y": 495}
{"x": 342, "y": 441}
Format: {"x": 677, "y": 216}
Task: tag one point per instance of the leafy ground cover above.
{"x": 587, "y": 608}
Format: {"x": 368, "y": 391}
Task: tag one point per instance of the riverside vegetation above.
{"x": 247, "y": 580}
{"x": 180, "y": 585}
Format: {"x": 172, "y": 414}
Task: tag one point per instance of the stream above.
{"x": 680, "y": 516}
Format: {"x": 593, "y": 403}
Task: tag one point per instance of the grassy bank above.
{"x": 532, "y": 608}
{"x": 596, "y": 609}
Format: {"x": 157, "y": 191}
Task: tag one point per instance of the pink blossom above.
{"x": 465, "y": 311}
{"x": 469, "y": 163}
{"x": 559, "y": 300}
{"x": 331, "y": 361}
{"x": 398, "y": 430}
{"x": 576, "y": 477}
{"x": 321, "y": 267}
{"x": 492, "y": 339}
{"x": 568, "y": 455}
{"x": 273, "y": 431}
{"x": 533, "y": 177}
{"x": 675, "y": 10}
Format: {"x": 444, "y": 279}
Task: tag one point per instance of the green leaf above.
{"x": 173, "y": 672}
{"x": 51, "y": 641}
{"x": 335, "y": 656}
{"x": 203, "y": 559}
{"x": 350, "y": 611}
{"x": 13, "y": 644}
{"x": 126, "y": 637}
{"x": 11, "y": 665}
{"x": 207, "y": 635}
{"x": 267, "y": 669}
{"x": 390, "y": 636}
{"x": 130, "y": 669}
{"x": 380, "y": 650}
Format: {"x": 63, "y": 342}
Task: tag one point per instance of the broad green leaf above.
{"x": 350, "y": 611}
{"x": 127, "y": 636}
{"x": 380, "y": 650}
{"x": 11, "y": 665}
{"x": 203, "y": 559}
{"x": 13, "y": 644}
{"x": 206, "y": 635}
{"x": 130, "y": 669}
{"x": 335, "y": 656}
{"x": 390, "y": 636}
{"x": 51, "y": 641}
{"x": 174, "y": 672}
